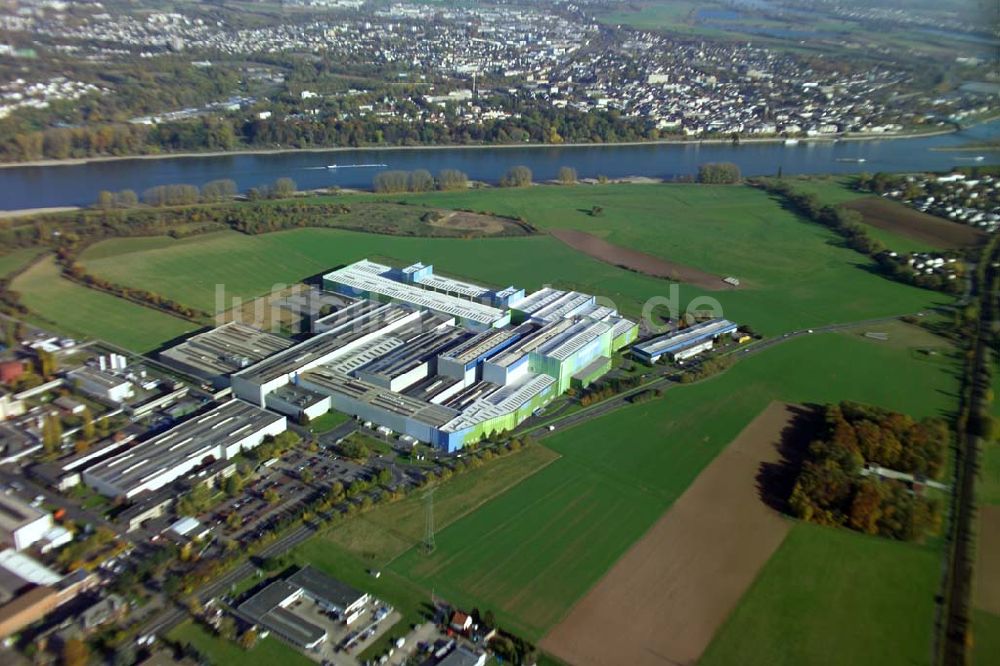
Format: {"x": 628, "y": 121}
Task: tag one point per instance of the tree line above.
{"x": 719, "y": 173}
{"x": 529, "y": 123}
{"x": 831, "y": 489}
{"x": 179, "y": 194}
{"x": 849, "y": 225}
{"x": 420, "y": 180}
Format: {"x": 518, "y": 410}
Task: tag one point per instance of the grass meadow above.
{"x": 831, "y": 596}
{"x": 15, "y": 260}
{"x": 268, "y": 650}
{"x": 79, "y": 311}
{"x": 795, "y": 274}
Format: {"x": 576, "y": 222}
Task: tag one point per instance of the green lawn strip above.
{"x": 831, "y": 596}
{"x": 328, "y": 421}
{"x": 221, "y": 652}
{"x": 382, "y": 534}
{"x": 986, "y": 638}
{"x": 79, "y": 311}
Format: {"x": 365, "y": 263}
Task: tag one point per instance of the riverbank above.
{"x": 24, "y": 212}
{"x": 487, "y": 146}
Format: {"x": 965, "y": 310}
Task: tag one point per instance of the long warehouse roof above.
{"x": 363, "y": 277}
{"x": 686, "y": 337}
{"x": 324, "y": 344}
{"x": 499, "y": 403}
{"x": 337, "y": 383}
{"x": 226, "y": 348}
{"x": 200, "y": 435}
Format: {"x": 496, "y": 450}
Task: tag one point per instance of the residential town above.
{"x": 468, "y": 67}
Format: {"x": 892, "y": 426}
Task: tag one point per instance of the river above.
{"x": 78, "y": 184}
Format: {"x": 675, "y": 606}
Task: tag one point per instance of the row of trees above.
{"x": 830, "y": 488}
{"x": 849, "y": 224}
{"x": 421, "y": 180}
{"x": 719, "y": 173}
{"x": 214, "y": 191}
{"x": 529, "y": 124}
{"x": 517, "y": 176}
{"x": 605, "y": 388}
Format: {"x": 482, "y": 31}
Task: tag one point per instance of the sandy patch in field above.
{"x": 484, "y": 224}
{"x": 665, "y": 598}
{"x": 986, "y": 590}
{"x": 6, "y": 214}
{"x": 637, "y": 261}
{"x": 905, "y": 221}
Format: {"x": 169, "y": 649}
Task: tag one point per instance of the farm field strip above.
{"x": 619, "y": 485}
{"x": 680, "y": 223}
{"x": 897, "y": 218}
{"x": 665, "y": 598}
{"x": 80, "y": 311}
{"x": 830, "y": 596}
{"x": 986, "y": 582}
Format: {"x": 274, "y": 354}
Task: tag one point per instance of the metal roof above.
{"x": 359, "y": 276}
{"x": 689, "y": 336}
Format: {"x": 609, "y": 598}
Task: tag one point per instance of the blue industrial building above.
{"x": 684, "y": 343}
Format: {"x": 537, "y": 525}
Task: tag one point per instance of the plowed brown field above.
{"x": 666, "y": 597}
{"x": 634, "y": 260}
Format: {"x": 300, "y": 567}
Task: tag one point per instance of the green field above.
{"x": 797, "y": 275}
{"x": 80, "y": 311}
{"x": 531, "y": 552}
{"x": 834, "y": 191}
{"x": 16, "y": 259}
{"x": 830, "y": 596}
{"x": 383, "y": 534}
{"x": 220, "y": 652}
{"x": 986, "y": 637}
{"x": 328, "y": 421}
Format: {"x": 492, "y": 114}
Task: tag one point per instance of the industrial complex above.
{"x": 217, "y": 434}
{"x": 442, "y": 361}
{"x": 426, "y": 357}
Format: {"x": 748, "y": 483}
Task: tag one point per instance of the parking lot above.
{"x": 344, "y": 641}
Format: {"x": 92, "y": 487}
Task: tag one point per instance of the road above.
{"x": 172, "y": 616}
{"x": 955, "y": 619}
{"x": 668, "y": 379}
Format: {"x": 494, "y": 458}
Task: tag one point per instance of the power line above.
{"x": 428, "y": 543}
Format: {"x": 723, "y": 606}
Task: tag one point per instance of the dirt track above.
{"x": 666, "y": 597}
{"x": 986, "y": 592}
{"x": 905, "y": 221}
{"x": 637, "y": 261}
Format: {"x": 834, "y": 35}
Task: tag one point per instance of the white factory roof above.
{"x": 449, "y": 285}
{"x": 689, "y": 335}
{"x": 498, "y": 403}
{"x": 195, "y": 438}
{"x": 364, "y": 276}
{"x": 27, "y": 568}
{"x": 567, "y": 304}
{"x": 539, "y": 299}
{"x": 581, "y": 333}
